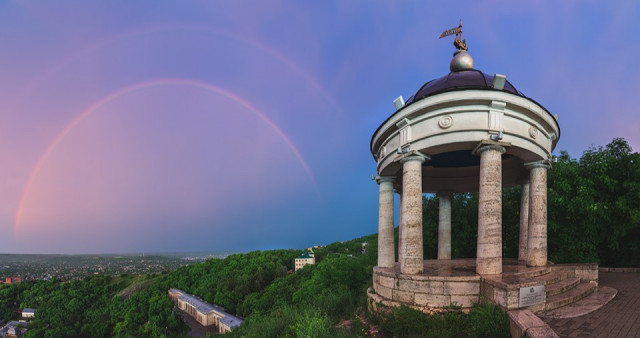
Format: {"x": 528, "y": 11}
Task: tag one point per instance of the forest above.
{"x": 594, "y": 216}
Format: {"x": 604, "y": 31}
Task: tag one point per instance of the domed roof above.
{"x": 460, "y": 80}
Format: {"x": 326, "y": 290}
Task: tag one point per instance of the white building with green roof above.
{"x": 304, "y": 259}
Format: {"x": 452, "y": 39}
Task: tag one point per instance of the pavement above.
{"x": 618, "y": 318}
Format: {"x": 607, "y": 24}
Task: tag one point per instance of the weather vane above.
{"x": 458, "y": 42}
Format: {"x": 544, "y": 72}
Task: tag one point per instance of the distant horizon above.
{"x": 186, "y": 252}
{"x": 122, "y": 253}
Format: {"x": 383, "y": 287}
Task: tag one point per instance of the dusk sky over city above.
{"x": 157, "y": 126}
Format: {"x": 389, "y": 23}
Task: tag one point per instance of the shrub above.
{"x": 484, "y": 320}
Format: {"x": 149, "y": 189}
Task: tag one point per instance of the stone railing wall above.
{"x": 426, "y": 291}
{"x": 523, "y": 323}
{"x": 588, "y": 272}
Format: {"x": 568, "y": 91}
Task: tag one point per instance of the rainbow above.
{"x": 113, "y": 39}
{"x": 146, "y": 84}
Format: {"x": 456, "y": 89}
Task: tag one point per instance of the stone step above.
{"x": 521, "y": 281}
{"x": 561, "y": 286}
{"x": 551, "y": 278}
{"x": 574, "y": 294}
{"x": 597, "y": 299}
{"x": 523, "y": 271}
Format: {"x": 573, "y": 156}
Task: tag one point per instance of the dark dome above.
{"x": 470, "y": 79}
{"x": 460, "y": 80}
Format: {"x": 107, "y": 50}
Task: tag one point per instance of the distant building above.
{"x": 10, "y": 280}
{"x": 28, "y": 313}
{"x": 13, "y": 329}
{"x": 206, "y": 314}
{"x": 174, "y": 294}
{"x": 304, "y": 259}
{"x": 227, "y": 324}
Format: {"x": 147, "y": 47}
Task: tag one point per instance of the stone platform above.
{"x": 446, "y": 283}
{"x": 443, "y": 283}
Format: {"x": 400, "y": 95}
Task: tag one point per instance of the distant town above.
{"x": 19, "y": 267}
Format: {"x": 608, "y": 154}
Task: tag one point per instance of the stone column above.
{"x": 444, "y": 225}
{"x": 386, "y": 245}
{"x": 537, "y": 235}
{"x": 524, "y": 221}
{"x": 412, "y": 258}
{"x": 400, "y": 227}
{"x": 489, "y": 252}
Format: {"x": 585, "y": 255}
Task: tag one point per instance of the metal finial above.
{"x": 460, "y": 44}
{"x": 461, "y": 59}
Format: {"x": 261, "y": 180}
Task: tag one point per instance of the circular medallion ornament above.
{"x": 533, "y": 132}
{"x": 445, "y": 122}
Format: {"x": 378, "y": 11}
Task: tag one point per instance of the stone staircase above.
{"x": 571, "y": 295}
{"x": 563, "y": 285}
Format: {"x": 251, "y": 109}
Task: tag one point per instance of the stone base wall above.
{"x": 588, "y": 272}
{"x": 425, "y": 291}
{"x": 505, "y": 295}
{"x": 430, "y": 292}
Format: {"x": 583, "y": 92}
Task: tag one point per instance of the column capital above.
{"x": 413, "y": 155}
{"x": 538, "y": 164}
{"x": 382, "y": 179}
{"x": 490, "y": 145}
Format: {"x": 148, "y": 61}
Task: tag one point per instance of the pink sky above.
{"x": 267, "y": 146}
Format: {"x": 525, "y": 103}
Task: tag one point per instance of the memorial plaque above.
{"x": 531, "y": 295}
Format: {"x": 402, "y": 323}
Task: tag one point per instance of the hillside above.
{"x": 325, "y": 299}
{"x": 249, "y": 285}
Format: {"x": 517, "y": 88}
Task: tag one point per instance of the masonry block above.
{"x": 464, "y": 300}
{"x": 388, "y": 282}
{"x": 383, "y": 291}
{"x": 403, "y": 296}
{"x": 513, "y": 299}
{"x": 587, "y": 275}
{"x": 431, "y": 300}
{"x": 500, "y": 297}
{"x": 422, "y": 286}
{"x": 461, "y": 288}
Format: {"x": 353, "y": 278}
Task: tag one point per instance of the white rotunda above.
{"x": 467, "y": 131}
